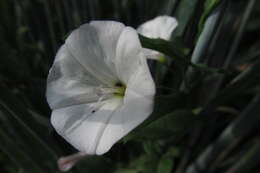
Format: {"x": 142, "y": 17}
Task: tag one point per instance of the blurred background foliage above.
{"x": 207, "y": 110}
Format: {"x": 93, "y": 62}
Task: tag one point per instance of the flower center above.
{"x": 119, "y": 89}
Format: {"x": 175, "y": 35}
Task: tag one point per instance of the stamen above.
{"x": 117, "y": 90}
{"x": 101, "y": 91}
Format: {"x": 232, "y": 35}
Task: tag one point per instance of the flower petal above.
{"x": 128, "y": 54}
{"x": 69, "y": 83}
{"x": 83, "y": 125}
{"x": 137, "y": 106}
{"x": 108, "y": 33}
{"x": 94, "y": 45}
{"x": 160, "y": 27}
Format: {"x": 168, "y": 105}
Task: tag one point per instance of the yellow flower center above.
{"x": 119, "y": 89}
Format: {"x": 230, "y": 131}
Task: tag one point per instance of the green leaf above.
{"x": 145, "y": 163}
{"x": 166, "y": 161}
{"x": 171, "y": 125}
{"x": 174, "y": 49}
{"x": 176, "y": 121}
{"x": 151, "y": 147}
{"x": 164, "y": 105}
{"x": 165, "y": 165}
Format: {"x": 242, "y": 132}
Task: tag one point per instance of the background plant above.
{"x": 207, "y": 105}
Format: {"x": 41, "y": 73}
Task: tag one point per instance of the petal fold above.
{"x": 128, "y": 54}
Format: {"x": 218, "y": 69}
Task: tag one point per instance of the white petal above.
{"x": 94, "y": 46}
{"x": 83, "y": 125}
{"x": 137, "y": 106}
{"x": 128, "y": 54}
{"x": 141, "y": 82}
{"x": 109, "y": 33}
{"x": 159, "y": 27}
{"x": 69, "y": 83}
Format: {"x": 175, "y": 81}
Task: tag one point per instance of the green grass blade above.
{"x": 21, "y": 158}
{"x": 249, "y": 160}
{"x": 247, "y": 121}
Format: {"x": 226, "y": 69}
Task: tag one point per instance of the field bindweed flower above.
{"x": 99, "y": 87}
{"x": 159, "y": 27}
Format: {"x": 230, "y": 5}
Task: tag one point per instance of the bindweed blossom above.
{"x": 99, "y": 88}
{"x": 159, "y": 27}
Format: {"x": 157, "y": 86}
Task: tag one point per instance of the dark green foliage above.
{"x": 207, "y": 107}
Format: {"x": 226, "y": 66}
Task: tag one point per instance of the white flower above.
{"x": 99, "y": 87}
{"x": 159, "y": 27}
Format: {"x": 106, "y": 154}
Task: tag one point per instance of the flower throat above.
{"x": 120, "y": 89}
